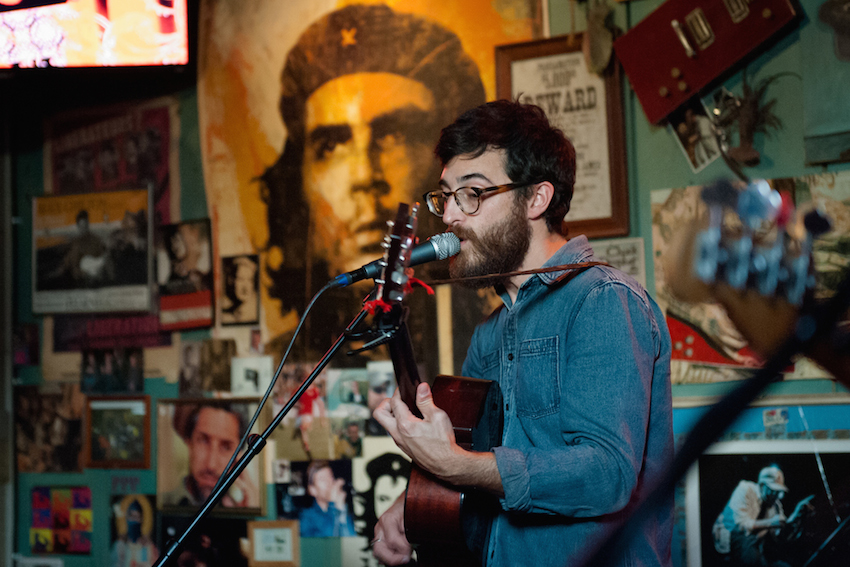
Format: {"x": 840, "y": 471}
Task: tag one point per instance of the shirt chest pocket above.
{"x": 538, "y": 391}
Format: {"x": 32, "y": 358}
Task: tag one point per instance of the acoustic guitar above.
{"x": 443, "y": 522}
{"x": 743, "y": 254}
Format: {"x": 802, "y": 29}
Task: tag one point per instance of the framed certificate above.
{"x": 552, "y": 74}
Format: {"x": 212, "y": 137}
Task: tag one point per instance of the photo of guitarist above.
{"x": 581, "y": 355}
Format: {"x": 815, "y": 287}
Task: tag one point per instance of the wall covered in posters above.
{"x": 108, "y": 333}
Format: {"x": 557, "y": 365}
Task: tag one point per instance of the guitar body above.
{"x": 441, "y": 518}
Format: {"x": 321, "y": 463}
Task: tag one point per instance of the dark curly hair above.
{"x": 534, "y": 149}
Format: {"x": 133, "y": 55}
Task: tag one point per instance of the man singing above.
{"x": 582, "y": 357}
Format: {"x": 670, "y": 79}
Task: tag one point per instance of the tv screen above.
{"x": 93, "y": 33}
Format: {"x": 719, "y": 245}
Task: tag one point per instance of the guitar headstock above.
{"x": 758, "y": 249}
{"x": 751, "y": 254}
{"x": 398, "y": 243}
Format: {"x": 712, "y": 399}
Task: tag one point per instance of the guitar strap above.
{"x": 571, "y": 271}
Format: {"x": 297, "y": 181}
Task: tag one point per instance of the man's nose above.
{"x": 367, "y": 174}
{"x": 452, "y": 214}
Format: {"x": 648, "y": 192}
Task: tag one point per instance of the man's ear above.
{"x": 540, "y": 199}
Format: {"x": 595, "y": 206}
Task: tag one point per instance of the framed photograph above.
{"x": 274, "y": 543}
{"x": 195, "y": 440}
{"x": 117, "y": 432}
{"x": 91, "y": 253}
{"x": 552, "y": 74}
{"x": 240, "y": 302}
{"x": 816, "y": 474}
{"x": 184, "y": 275}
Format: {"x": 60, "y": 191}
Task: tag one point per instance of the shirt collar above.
{"x": 575, "y": 251}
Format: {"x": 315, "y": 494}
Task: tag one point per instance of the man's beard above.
{"x": 497, "y": 250}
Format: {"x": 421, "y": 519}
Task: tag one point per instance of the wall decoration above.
{"x": 240, "y": 304}
{"x": 132, "y": 537}
{"x": 305, "y": 432}
{"x": 625, "y": 254}
{"x": 250, "y": 375}
{"x": 214, "y": 542}
{"x": 48, "y": 427}
{"x": 112, "y": 371}
{"x": 195, "y": 440}
{"x": 190, "y": 380}
{"x": 118, "y": 432}
{"x": 552, "y": 73}
{"x": 184, "y": 274}
{"x": 73, "y": 333}
{"x": 826, "y": 77}
{"x": 25, "y": 344}
{"x": 694, "y": 132}
{"x": 319, "y": 496}
{"x": 61, "y": 520}
{"x": 216, "y": 355}
{"x": 379, "y": 476}
{"x": 91, "y": 252}
{"x": 274, "y": 544}
{"x": 307, "y": 223}
{"x": 816, "y": 476}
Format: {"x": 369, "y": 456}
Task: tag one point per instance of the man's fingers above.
{"x": 425, "y": 400}
{"x": 383, "y": 414}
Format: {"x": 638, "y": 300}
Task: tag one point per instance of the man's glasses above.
{"x": 468, "y": 199}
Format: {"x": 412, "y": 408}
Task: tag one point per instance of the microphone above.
{"x": 438, "y": 247}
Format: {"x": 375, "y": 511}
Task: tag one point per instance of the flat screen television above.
{"x": 93, "y": 33}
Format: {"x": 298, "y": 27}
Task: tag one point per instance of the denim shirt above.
{"x": 584, "y": 368}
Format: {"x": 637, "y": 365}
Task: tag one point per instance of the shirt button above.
{"x": 510, "y": 356}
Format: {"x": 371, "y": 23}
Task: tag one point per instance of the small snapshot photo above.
{"x": 274, "y": 543}
{"x": 118, "y": 433}
{"x": 694, "y": 132}
{"x": 240, "y": 304}
{"x": 216, "y": 357}
{"x": 196, "y": 439}
{"x": 759, "y": 502}
{"x": 190, "y": 380}
{"x": 184, "y": 275}
{"x": 250, "y": 375}
{"x": 319, "y": 495}
{"x": 113, "y": 371}
{"x": 132, "y": 534}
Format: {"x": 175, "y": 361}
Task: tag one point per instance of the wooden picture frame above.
{"x": 274, "y": 543}
{"x": 117, "y": 432}
{"x": 552, "y": 74}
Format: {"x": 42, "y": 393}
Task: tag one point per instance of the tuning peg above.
{"x": 716, "y": 196}
{"x": 758, "y": 203}
{"x": 767, "y": 262}
{"x": 799, "y": 270}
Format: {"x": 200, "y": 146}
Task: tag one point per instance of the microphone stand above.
{"x": 255, "y": 443}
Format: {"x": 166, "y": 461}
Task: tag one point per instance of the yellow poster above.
{"x": 318, "y": 118}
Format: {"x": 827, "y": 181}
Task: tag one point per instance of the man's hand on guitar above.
{"x": 390, "y": 545}
{"x": 430, "y": 441}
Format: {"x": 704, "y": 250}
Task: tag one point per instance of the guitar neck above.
{"x": 404, "y": 364}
